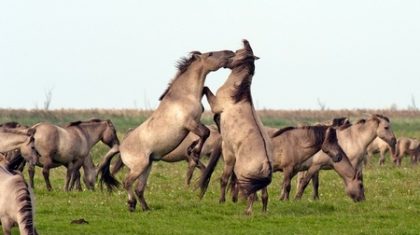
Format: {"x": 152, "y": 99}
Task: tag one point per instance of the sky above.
{"x": 122, "y": 54}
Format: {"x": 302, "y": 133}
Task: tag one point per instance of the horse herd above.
{"x": 251, "y": 152}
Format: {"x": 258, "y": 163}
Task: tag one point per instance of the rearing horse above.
{"x": 178, "y": 114}
{"x": 70, "y": 146}
{"x": 246, "y": 146}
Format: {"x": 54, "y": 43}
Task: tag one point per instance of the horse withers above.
{"x": 178, "y": 113}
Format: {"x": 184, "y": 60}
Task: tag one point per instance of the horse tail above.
{"x": 118, "y": 165}
{"x": 104, "y": 171}
{"x": 205, "y": 177}
{"x": 25, "y": 215}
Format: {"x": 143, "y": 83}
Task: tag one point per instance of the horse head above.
{"x": 355, "y": 188}
{"x": 384, "y": 131}
{"x": 109, "y": 135}
{"x": 242, "y": 56}
{"x": 28, "y": 149}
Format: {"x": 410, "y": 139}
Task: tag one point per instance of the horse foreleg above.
{"x": 288, "y": 174}
{"x": 315, "y": 185}
{"x": 381, "y": 158}
{"x": 31, "y": 172}
{"x": 203, "y": 132}
{"x": 191, "y": 166}
{"x": 89, "y": 173}
{"x": 304, "y": 181}
{"x": 6, "y": 224}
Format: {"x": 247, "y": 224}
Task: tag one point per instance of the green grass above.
{"x": 392, "y": 203}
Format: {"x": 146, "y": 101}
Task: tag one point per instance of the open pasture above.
{"x": 392, "y": 203}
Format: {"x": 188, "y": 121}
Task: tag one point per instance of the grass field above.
{"x": 392, "y": 205}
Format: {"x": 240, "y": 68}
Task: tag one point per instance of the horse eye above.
{"x": 210, "y": 54}
{"x": 387, "y": 128}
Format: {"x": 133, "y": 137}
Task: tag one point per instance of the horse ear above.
{"x": 247, "y": 46}
{"x": 195, "y": 55}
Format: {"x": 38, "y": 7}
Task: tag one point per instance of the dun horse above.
{"x": 70, "y": 146}
{"x": 354, "y": 140}
{"x": 292, "y": 146}
{"x": 181, "y": 153}
{"x": 407, "y": 146}
{"x": 378, "y": 146}
{"x": 16, "y": 204}
{"x": 246, "y": 146}
{"x": 178, "y": 114}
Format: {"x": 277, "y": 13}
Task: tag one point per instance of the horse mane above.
{"x": 76, "y": 123}
{"x": 381, "y": 116}
{"x": 243, "y": 90}
{"x": 282, "y": 130}
{"x": 182, "y": 66}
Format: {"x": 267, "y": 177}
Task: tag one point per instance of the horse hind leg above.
{"x": 135, "y": 171}
{"x": 264, "y": 199}
{"x": 251, "y": 199}
{"x": 141, "y": 184}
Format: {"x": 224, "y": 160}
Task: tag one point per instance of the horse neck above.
{"x": 190, "y": 83}
{"x": 345, "y": 169}
{"x": 92, "y": 133}
{"x": 362, "y": 133}
{"x": 11, "y": 141}
{"x": 313, "y": 139}
{"x": 366, "y": 132}
{"x": 234, "y": 79}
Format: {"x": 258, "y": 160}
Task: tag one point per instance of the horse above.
{"x": 70, "y": 146}
{"x": 353, "y": 139}
{"x": 178, "y": 113}
{"x": 16, "y": 201}
{"x": 246, "y": 146}
{"x": 181, "y": 153}
{"x": 378, "y": 146}
{"x": 407, "y": 146}
{"x": 292, "y": 146}
{"x": 18, "y": 144}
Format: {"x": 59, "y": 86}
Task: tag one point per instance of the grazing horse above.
{"x": 246, "y": 146}
{"x": 16, "y": 203}
{"x": 70, "y": 146}
{"x": 181, "y": 153}
{"x": 354, "y": 140}
{"x": 292, "y": 146}
{"x": 178, "y": 113}
{"x": 21, "y": 141}
{"x": 378, "y": 146}
{"x": 407, "y": 146}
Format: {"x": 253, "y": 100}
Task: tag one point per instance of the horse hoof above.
{"x": 131, "y": 205}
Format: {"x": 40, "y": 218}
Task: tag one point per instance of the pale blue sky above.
{"x": 122, "y": 54}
